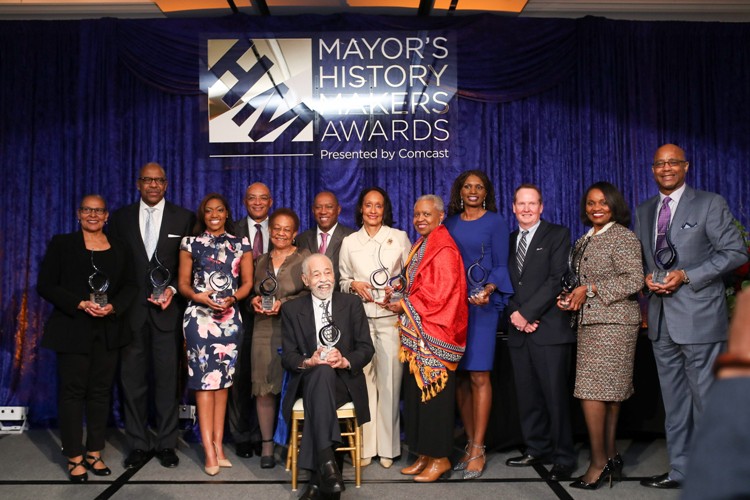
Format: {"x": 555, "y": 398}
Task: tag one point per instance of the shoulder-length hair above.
{"x": 200, "y": 223}
{"x": 387, "y": 206}
{"x": 454, "y": 205}
{"x": 615, "y": 200}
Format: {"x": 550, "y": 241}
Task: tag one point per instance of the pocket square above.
{"x": 174, "y": 236}
{"x": 689, "y": 225}
{"x": 539, "y": 248}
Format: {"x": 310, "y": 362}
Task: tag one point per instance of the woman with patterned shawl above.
{"x": 433, "y": 323}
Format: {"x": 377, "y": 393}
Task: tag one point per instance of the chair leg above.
{"x": 357, "y": 454}
{"x": 293, "y": 452}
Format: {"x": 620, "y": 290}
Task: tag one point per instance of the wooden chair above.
{"x": 352, "y": 432}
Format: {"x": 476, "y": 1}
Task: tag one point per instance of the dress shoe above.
{"x": 386, "y": 463}
{"x": 434, "y": 470}
{"x": 461, "y": 464}
{"x": 417, "y": 466}
{"x": 211, "y": 470}
{"x": 662, "y": 481}
{"x": 330, "y": 478}
{"x": 605, "y": 474}
{"x": 77, "y": 478}
{"x": 312, "y": 492}
{"x": 168, "y": 458}
{"x": 524, "y": 461}
{"x": 104, "y": 471}
{"x": 136, "y": 459}
{"x": 474, "y": 474}
{"x": 244, "y": 449}
{"x": 267, "y": 462}
{"x": 364, "y": 462}
{"x": 560, "y": 472}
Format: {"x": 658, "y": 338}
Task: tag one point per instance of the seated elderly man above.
{"x": 325, "y": 343}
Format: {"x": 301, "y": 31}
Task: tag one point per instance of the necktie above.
{"x": 150, "y": 238}
{"x": 257, "y": 242}
{"x": 662, "y": 223}
{"x": 323, "y": 243}
{"x": 521, "y": 252}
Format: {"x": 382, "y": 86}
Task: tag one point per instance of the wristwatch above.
{"x": 590, "y": 291}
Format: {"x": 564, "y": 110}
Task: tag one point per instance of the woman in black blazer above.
{"x": 86, "y": 335}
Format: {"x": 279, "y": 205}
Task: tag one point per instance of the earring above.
{"x": 462, "y": 203}
{"x": 484, "y": 204}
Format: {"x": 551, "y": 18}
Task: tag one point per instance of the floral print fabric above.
{"x": 212, "y": 338}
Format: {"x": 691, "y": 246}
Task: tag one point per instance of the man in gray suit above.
{"x": 687, "y": 316}
{"x": 326, "y": 210}
{"x": 241, "y": 413}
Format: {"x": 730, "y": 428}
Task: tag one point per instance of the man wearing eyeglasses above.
{"x": 690, "y": 235}
{"x": 153, "y": 228}
{"x": 241, "y": 412}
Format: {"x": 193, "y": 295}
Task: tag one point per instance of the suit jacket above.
{"x": 63, "y": 281}
{"x": 299, "y": 341}
{"x": 176, "y": 222}
{"x": 309, "y": 240}
{"x": 537, "y": 288}
{"x": 708, "y": 246}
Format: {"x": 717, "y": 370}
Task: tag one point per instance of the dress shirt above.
{"x": 156, "y": 217}
{"x": 675, "y": 200}
{"x": 264, "y": 230}
{"x": 329, "y": 233}
{"x": 529, "y": 236}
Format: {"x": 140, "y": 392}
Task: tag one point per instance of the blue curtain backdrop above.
{"x": 561, "y": 103}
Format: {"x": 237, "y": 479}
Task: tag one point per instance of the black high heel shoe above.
{"x": 77, "y": 478}
{"x": 97, "y": 472}
{"x": 604, "y": 475}
{"x": 267, "y": 461}
{"x": 617, "y": 465}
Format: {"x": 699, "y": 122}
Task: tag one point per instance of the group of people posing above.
{"x": 366, "y": 316}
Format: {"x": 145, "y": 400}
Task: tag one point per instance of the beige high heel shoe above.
{"x": 223, "y": 462}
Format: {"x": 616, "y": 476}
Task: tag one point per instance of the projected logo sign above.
{"x": 335, "y": 97}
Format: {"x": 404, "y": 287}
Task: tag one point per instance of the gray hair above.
{"x": 437, "y": 200}
{"x": 306, "y": 262}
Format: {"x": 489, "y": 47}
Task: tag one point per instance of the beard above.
{"x": 323, "y": 290}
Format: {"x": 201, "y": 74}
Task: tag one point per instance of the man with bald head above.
{"x": 241, "y": 412}
{"x": 327, "y": 235}
{"x": 153, "y": 228}
{"x": 690, "y": 234}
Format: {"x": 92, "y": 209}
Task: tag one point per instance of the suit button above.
{"x": 585, "y": 258}
{"x": 588, "y": 305}
{"x": 520, "y": 283}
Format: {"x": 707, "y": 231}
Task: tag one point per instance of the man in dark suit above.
{"x": 241, "y": 412}
{"x": 540, "y": 338}
{"x": 327, "y": 236}
{"x": 153, "y": 228}
{"x": 687, "y": 318}
{"x": 325, "y": 377}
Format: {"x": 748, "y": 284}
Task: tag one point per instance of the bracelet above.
{"x": 685, "y": 279}
{"x": 730, "y": 360}
{"x": 235, "y": 299}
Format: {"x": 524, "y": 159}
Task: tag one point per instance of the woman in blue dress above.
{"x": 216, "y": 272}
{"x": 481, "y": 235}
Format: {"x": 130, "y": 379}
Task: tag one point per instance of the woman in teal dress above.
{"x": 216, "y": 271}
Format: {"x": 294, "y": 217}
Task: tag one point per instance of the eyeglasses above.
{"x": 148, "y": 180}
{"x": 671, "y": 162}
{"x": 89, "y": 210}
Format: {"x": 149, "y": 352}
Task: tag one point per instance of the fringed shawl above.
{"x": 435, "y": 319}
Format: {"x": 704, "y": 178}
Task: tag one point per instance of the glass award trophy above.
{"x": 571, "y": 279}
{"x": 665, "y": 259}
{"x": 329, "y": 334}
{"x": 379, "y": 279}
{"x": 397, "y": 285}
{"x": 268, "y": 288}
{"x": 477, "y": 276}
{"x": 98, "y": 283}
{"x": 159, "y": 276}
{"x": 221, "y": 284}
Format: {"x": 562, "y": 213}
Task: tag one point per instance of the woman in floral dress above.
{"x": 215, "y": 273}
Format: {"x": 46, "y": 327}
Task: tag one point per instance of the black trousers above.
{"x": 542, "y": 377}
{"x": 323, "y": 391}
{"x": 429, "y": 425}
{"x": 241, "y": 412}
{"x": 85, "y": 385}
{"x": 151, "y": 361}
